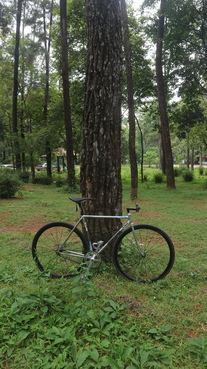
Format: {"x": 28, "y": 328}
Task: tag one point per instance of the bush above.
{"x": 43, "y": 180}
{"x": 9, "y": 185}
{"x": 205, "y": 184}
{"x": 201, "y": 170}
{"x": 179, "y": 170}
{"x": 158, "y": 177}
{"x": 60, "y": 179}
{"x": 24, "y": 177}
{"x": 145, "y": 177}
{"x": 176, "y": 172}
{"x": 188, "y": 175}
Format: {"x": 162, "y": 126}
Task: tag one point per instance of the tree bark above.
{"x": 101, "y": 153}
{"x": 15, "y": 87}
{"x": 142, "y": 150}
{"x": 66, "y": 94}
{"x": 200, "y": 155}
{"x": 162, "y": 101}
{"x": 192, "y": 158}
{"x": 46, "y": 97}
{"x": 130, "y": 93}
{"x": 188, "y": 151}
{"x": 162, "y": 163}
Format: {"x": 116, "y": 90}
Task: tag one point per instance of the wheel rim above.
{"x": 153, "y": 262}
{"x": 53, "y": 258}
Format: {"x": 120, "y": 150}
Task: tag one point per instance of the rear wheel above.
{"x": 145, "y": 255}
{"x": 58, "y": 249}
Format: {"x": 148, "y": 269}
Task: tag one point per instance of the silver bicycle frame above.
{"x": 83, "y": 221}
{"x": 104, "y": 217}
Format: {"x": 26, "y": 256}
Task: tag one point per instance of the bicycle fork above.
{"x": 135, "y": 238}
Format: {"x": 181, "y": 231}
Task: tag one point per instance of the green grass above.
{"x": 106, "y": 321}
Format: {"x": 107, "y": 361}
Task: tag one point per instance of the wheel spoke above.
{"x": 53, "y": 246}
{"x": 148, "y": 258}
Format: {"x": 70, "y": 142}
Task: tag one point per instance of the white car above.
{"x": 43, "y": 166}
{"x": 10, "y": 166}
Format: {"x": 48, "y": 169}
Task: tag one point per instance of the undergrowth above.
{"x": 105, "y": 321}
{"x": 44, "y": 330}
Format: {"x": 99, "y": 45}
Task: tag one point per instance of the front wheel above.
{"x": 145, "y": 254}
{"x": 58, "y": 249}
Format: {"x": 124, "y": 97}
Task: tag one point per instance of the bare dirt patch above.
{"x": 27, "y": 226}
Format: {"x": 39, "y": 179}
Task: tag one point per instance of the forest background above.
{"x": 104, "y": 322}
{"x": 40, "y": 124}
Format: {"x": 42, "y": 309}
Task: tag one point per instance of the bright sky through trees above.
{"x": 137, "y": 3}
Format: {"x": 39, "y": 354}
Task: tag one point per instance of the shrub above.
{"x": 187, "y": 175}
{"x": 60, "y": 179}
{"x": 9, "y": 185}
{"x": 43, "y": 180}
{"x": 158, "y": 177}
{"x": 145, "y": 177}
{"x": 60, "y": 183}
{"x": 180, "y": 170}
{"x": 201, "y": 170}
{"x": 205, "y": 184}
{"x": 176, "y": 172}
{"x": 24, "y": 177}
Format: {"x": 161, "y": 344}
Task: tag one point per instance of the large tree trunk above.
{"x": 162, "y": 163}
{"x": 130, "y": 92}
{"x": 162, "y": 101}
{"x": 101, "y": 154}
{"x": 15, "y": 87}
{"x": 66, "y": 94}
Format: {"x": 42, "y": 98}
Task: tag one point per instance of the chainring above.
{"x": 92, "y": 259}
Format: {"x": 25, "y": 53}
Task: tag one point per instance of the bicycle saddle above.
{"x": 79, "y": 200}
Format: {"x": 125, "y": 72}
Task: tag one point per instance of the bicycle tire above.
{"x": 155, "y": 261}
{"x": 45, "y": 250}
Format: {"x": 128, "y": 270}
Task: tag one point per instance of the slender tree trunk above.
{"x": 142, "y": 150}
{"x": 188, "y": 151}
{"x": 66, "y": 94}
{"x": 15, "y": 87}
{"x": 201, "y": 155}
{"x": 162, "y": 101}
{"x": 130, "y": 92}
{"x": 47, "y": 76}
{"x": 192, "y": 159}
{"x": 21, "y": 124}
{"x": 32, "y": 165}
{"x": 101, "y": 154}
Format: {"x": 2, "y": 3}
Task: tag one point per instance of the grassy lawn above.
{"x": 106, "y": 321}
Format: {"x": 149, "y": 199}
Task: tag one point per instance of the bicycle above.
{"x": 141, "y": 252}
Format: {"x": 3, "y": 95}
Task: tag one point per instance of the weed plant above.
{"x": 105, "y": 321}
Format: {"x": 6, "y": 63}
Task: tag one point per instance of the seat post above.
{"x": 81, "y": 208}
